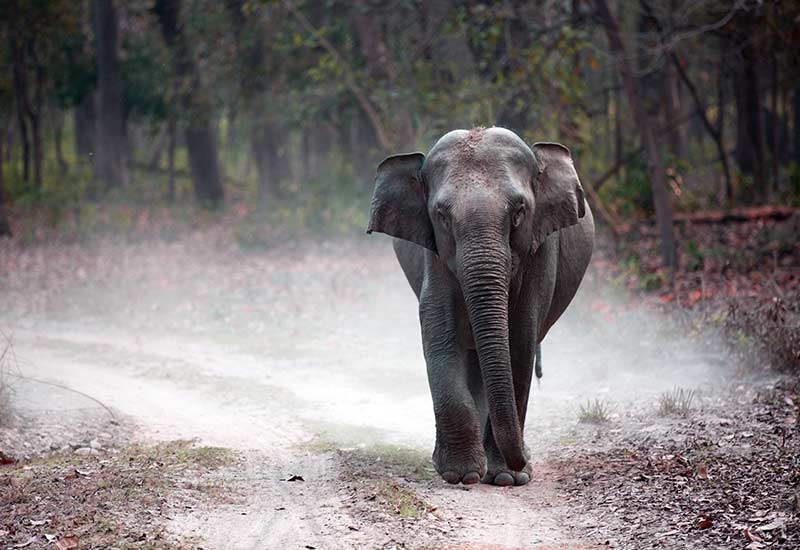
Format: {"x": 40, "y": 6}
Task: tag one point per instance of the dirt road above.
{"x": 308, "y": 361}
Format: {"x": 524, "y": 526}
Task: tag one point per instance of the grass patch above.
{"x": 676, "y": 402}
{"x": 401, "y": 500}
{"x": 207, "y": 457}
{"x": 380, "y": 459}
{"x": 595, "y": 411}
{"x": 117, "y": 500}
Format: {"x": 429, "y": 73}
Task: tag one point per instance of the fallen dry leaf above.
{"x": 705, "y": 523}
{"x": 65, "y": 543}
{"x": 751, "y": 536}
{"x": 778, "y": 523}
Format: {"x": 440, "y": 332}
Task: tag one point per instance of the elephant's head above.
{"x": 482, "y": 200}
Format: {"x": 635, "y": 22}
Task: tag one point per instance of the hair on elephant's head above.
{"x": 481, "y": 200}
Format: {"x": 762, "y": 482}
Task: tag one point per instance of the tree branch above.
{"x": 349, "y": 77}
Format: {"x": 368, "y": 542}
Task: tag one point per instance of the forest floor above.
{"x": 183, "y": 393}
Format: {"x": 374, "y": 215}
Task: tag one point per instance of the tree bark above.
{"x": 58, "y": 137}
{"x": 720, "y": 123}
{"x": 267, "y": 137}
{"x": 84, "y": 125}
{"x": 172, "y": 133}
{"x": 655, "y": 165}
{"x": 750, "y": 135}
{"x": 201, "y": 141}
{"x": 22, "y": 98}
{"x": 5, "y": 227}
{"x": 796, "y": 109}
{"x": 110, "y": 168}
{"x": 673, "y": 110}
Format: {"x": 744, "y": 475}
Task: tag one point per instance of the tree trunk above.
{"x": 22, "y": 99}
{"x": 774, "y": 127}
{"x": 271, "y": 159}
{"x": 202, "y": 144}
{"x": 267, "y": 145}
{"x": 750, "y": 135}
{"x": 796, "y": 109}
{"x": 111, "y": 169}
{"x": 172, "y": 133}
{"x": 674, "y": 112}
{"x": 84, "y": 122}
{"x": 35, "y": 116}
{"x": 720, "y": 125}
{"x": 195, "y": 105}
{"x": 655, "y": 165}
{"x": 5, "y": 227}
{"x": 58, "y": 138}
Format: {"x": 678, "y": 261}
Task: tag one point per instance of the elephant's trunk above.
{"x": 485, "y": 265}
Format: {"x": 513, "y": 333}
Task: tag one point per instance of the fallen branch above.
{"x": 744, "y": 214}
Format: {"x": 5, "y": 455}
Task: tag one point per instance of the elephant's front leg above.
{"x": 458, "y": 455}
{"x": 522, "y": 340}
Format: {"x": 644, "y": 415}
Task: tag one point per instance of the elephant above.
{"x": 494, "y": 238}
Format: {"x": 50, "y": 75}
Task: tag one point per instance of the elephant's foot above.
{"x": 465, "y": 466}
{"x": 500, "y": 475}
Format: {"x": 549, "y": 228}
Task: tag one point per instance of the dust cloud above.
{"x": 321, "y": 341}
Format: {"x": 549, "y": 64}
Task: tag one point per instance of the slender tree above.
{"x": 110, "y": 149}
{"x": 655, "y": 164}
{"x": 267, "y": 135}
{"x": 195, "y": 106}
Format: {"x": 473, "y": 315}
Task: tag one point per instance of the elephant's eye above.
{"x": 519, "y": 215}
{"x": 444, "y": 219}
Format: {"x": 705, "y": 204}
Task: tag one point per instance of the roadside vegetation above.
{"x": 119, "y": 498}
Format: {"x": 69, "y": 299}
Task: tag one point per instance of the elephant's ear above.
{"x": 557, "y": 192}
{"x": 399, "y": 203}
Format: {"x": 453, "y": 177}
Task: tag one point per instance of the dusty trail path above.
{"x": 308, "y": 362}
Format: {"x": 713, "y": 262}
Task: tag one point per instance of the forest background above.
{"x": 279, "y": 110}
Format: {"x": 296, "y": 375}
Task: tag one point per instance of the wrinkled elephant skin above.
{"x": 494, "y": 238}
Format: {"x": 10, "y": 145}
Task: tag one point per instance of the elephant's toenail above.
{"x": 522, "y": 478}
{"x": 451, "y": 477}
{"x": 470, "y": 478}
{"x": 504, "y": 479}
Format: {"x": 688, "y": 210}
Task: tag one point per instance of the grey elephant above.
{"x": 494, "y": 238}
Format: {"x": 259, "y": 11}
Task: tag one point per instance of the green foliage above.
{"x": 653, "y": 281}
{"x": 632, "y": 193}
{"x": 695, "y": 256}
{"x": 329, "y": 82}
{"x": 329, "y": 207}
{"x": 144, "y": 74}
